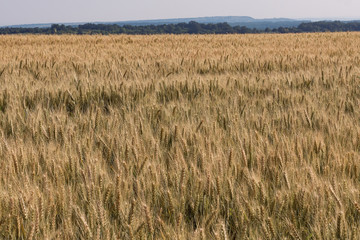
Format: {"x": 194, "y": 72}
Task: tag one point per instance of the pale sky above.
{"x": 56, "y": 11}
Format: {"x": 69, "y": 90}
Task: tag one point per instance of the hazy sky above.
{"x": 54, "y": 11}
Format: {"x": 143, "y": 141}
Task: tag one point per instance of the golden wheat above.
{"x": 197, "y": 137}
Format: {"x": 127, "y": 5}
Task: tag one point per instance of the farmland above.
{"x": 180, "y": 137}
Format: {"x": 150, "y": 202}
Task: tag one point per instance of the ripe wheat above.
{"x": 198, "y": 137}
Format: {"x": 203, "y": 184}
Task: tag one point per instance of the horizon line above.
{"x": 177, "y": 18}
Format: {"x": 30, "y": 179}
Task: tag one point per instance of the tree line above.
{"x": 183, "y": 28}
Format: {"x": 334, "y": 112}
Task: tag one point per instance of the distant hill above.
{"x": 231, "y": 20}
{"x": 228, "y": 19}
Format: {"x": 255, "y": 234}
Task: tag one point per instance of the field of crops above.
{"x": 180, "y": 137}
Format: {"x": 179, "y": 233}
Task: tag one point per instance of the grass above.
{"x": 186, "y": 137}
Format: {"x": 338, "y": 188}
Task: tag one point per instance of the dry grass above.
{"x": 186, "y": 137}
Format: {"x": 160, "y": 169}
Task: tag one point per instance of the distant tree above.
{"x": 225, "y": 28}
{"x": 180, "y": 28}
{"x": 194, "y": 27}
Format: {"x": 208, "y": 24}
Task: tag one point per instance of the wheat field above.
{"x": 180, "y": 137}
